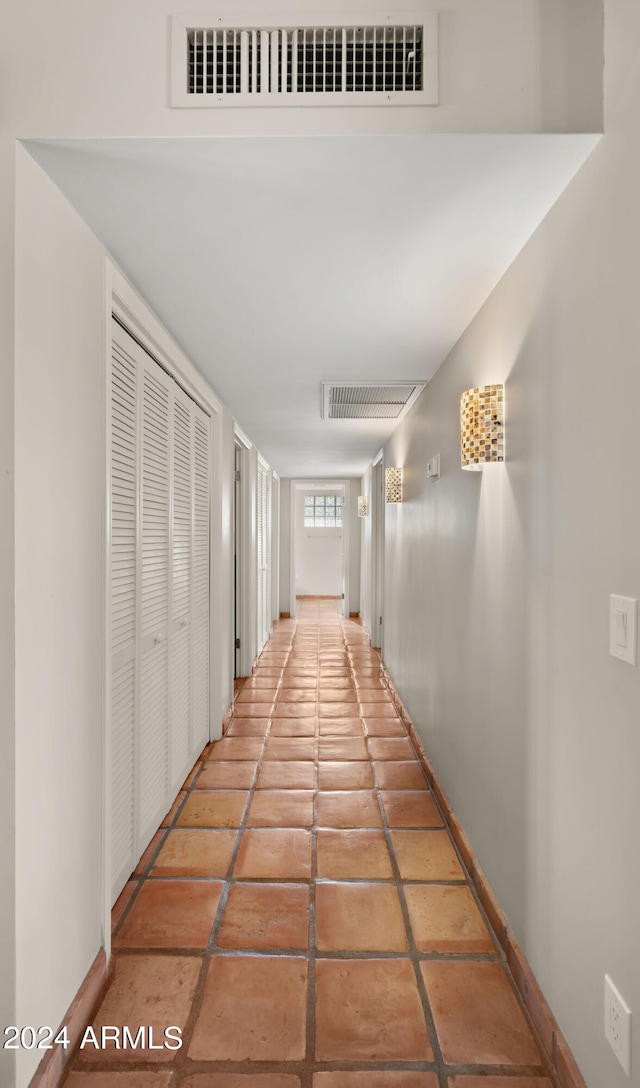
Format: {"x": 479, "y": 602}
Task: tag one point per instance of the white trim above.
{"x": 121, "y": 299}
{"x": 240, "y": 437}
{"x": 248, "y": 571}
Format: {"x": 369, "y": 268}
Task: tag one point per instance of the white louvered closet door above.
{"x": 154, "y": 579}
{"x": 123, "y": 526}
{"x": 200, "y": 592}
{"x": 160, "y": 479}
{"x": 181, "y": 589}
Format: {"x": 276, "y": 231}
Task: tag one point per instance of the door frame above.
{"x": 346, "y": 515}
{"x": 122, "y": 300}
{"x": 377, "y": 552}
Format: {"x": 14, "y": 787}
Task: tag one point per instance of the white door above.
{"x": 159, "y": 592}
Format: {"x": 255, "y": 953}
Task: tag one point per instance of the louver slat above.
{"x": 334, "y": 65}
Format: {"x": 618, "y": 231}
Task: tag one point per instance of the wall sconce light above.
{"x": 482, "y": 426}
{"x": 393, "y": 484}
{"x": 363, "y": 506}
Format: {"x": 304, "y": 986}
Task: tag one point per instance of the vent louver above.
{"x": 377, "y": 400}
{"x": 314, "y": 64}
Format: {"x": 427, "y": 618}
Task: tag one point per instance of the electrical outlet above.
{"x": 617, "y": 1024}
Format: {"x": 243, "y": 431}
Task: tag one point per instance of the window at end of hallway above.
{"x": 322, "y": 511}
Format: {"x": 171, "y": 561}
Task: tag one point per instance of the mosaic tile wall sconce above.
{"x": 482, "y": 426}
{"x": 363, "y": 506}
{"x": 393, "y": 484}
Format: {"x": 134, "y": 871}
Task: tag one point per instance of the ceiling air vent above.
{"x": 226, "y": 61}
{"x": 374, "y": 400}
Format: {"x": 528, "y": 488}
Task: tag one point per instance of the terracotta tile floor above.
{"x": 302, "y": 915}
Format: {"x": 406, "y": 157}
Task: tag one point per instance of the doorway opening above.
{"x": 319, "y": 542}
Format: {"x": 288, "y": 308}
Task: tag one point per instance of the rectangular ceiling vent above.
{"x": 373, "y": 400}
{"x": 301, "y": 61}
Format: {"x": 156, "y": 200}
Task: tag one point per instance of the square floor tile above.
{"x": 405, "y": 775}
{"x": 254, "y": 1009}
{"x": 250, "y": 694}
{"x": 345, "y": 776}
{"x": 118, "y": 1079}
{"x": 329, "y": 694}
{"x": 426, "y": 855}
{"x": 377, "y": 710}
{"x": 195, "y": 853}
{"x": 296, "y": 695}
{"x": 281, "y": 808}
{"x": 359, "y": 918}
{"x": 353, "y": 855}
{"x": 477, "y": 1016}
{"x": 229, "y": 776}
{"x": 340, "y": 727}
{"x": 293, "y": 727}
{"x": 286, "y": 774}
{"x": 262, "y": 916}
{"x": 411, "y": 808}
{"x": 171, "y": 914}
{"x": 256, "y": 710}
{"x": 385, "y": 727}
{"x": 236, "y": 748}
{"x": 238, "y": 1080}
{"x": 295, "y": 710}
{"x": 307, "y": 678}
{"x": 369, "y": 1010}
{"x": 349, "y": 808}
{"x": 333, "y": 748}
{"x": 499, "y": 1082}
{"x": 153, "y": 991}
{"x": 337, "y": 710}
{"x": 446, "y": 919}
{"x": 274, "y": 854}
{"x": 246, "y": 727}
{"x": 375, "y": 1080}
{"x": 290, "y": 748}
{"x": 213, "y": 808}
{"x": 396, "y": 748}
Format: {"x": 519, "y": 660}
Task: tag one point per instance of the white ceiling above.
{"x": 278, "y": 263}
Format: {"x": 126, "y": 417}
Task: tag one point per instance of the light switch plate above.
{"x": 433, "y": 468}
{"x": 623, "y": 628}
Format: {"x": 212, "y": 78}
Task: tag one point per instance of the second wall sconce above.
{"x": 482, "y": 426}
{"x": 363, "y": 506}
{"x": 393, "y": 484}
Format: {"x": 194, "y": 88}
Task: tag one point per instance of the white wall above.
{"x": 59, "y": 615}
{"x": 60, "y": 528}
{"x": 498, "y": 583}
{"x": 506, "y": 65}
{"x": 7, "y": 634}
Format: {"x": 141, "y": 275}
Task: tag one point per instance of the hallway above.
{"x": 302, "y": 914}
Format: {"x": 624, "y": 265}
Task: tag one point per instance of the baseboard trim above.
{"x": 554, "y": 1045}
{"x": 79, "y": 1015}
